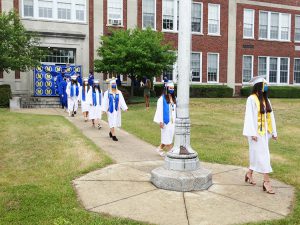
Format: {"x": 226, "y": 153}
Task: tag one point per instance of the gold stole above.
{"x": 261, "y": 119}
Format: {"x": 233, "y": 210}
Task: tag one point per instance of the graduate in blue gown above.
{"x": 91, "y": 78}
{"x": 62, "y": 93}
{"x": 79, "y": 79}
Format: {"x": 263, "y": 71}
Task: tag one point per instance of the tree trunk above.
{"x": 132, "y": 86}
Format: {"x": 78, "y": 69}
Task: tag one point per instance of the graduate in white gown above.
{"x": 95, "y": 100}
{"x": 73, "y": 95}
{"x": 165, "y": 116}
{"x": 83, "y": 96}
{"x": 113, "y": 103}
{"x": 259, "y": 127}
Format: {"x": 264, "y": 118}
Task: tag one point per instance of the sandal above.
{"x": 249, "y": 179}
{"x": 268, "y": 190}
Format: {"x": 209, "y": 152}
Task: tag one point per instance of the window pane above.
{"x": 262, "y": 66}
{"x": 213, "y": 19}
{"x": 263, "y": 25}
{"x": 168, "y": 14}
{"x": 196, "y": 17}
{"x": 297, "y": 71}
{"x": 274, "y": 26}
{"x": 168, "y": 74}
{"x": 64, "y": 11}
{"x": 148, "y": 13}
{"x": 212, "y": 67}
{"x": 273, "y": 70}
{"x": 196, "y": 67}
{"x": 80, "y": 12}
{"x": 284, "y": 70}
{"x": 28, "y": 8}
{"x": 285, "y": 26}
{"x": 115, "y": 8}
{"x": 248, "y": 23}
{"x": 45, "y": 8}
{"x": 60, "y": 55}
{"x": 297, "y": 28}
{"x": 247, "y": 68}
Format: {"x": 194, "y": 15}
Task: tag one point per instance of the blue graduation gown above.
{"x": 62, "y": 93}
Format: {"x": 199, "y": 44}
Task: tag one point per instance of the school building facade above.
{"x": 232, "y": 40}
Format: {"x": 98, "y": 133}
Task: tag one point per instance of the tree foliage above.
{"x": 135, "y": 53}
{"x": 18, "y": 48}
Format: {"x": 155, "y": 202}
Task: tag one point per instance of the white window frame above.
{"x": 252, "y": 66}
{"x": 219, "y": 22}
{"x": 201, "y": 32}
{"x": 297, "y": 41}
{"x": 54, "y": 12}
{"x": 278, "y": 69}
{"x": 279, "y": 25}
{"x": 122, "y": 16}
{"x": 201, "y": 65}
{"x": 218, "y": 70}
{"x": 154, "y": 28}
{"x": 253, "y": 23}
{"x": 294, "y": 81}
{"x": 175, "y": 15}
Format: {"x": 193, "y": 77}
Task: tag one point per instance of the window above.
{"x": 28, "y": 8}
{"x": 213, "y": 67}
{"x": 197, "y": 17}
{"x": 196, "y": 66}
{"x": 297, "y": 71}
{"x": 262, "y": 66}
{"x": 168, "y": 14}
{"x": 276, "y": 69}
{"x": 149, "y": 13}
{"x": 249, "y": 23}
{"x": 60, "y": 55}
{"x": 247, "y": 68}
{"x": 45, "y": 8}
{"x": 274, "y": 26}
{"x": 80, "y": 12}
{"x": 67, "y": 10}
{"x": 64, "y": 11}
{"x": 213, "y": 19}
{"x": 168, "y": 74}
{"x": 115, "y": 12}
{"x": 297, "y": 28}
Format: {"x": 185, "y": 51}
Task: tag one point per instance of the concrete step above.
{"x": 40, "y": 102}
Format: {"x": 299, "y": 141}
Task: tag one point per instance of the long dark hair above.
{"x": 84, "y": 85}
{"x": 74, "y": 82}
{"x": 94, "y": 88}
{"x": 263, "y": 97}
{"x": 168, "y": 97}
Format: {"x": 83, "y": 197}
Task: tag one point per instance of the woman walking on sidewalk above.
{"x": 95, "y": 99}
{"x": 259, "y": 127}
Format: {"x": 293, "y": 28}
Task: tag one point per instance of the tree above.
{"x": 18, "y": 48}
{"x": 135, "y": 53}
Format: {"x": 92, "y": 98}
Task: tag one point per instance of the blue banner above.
{"x": 46, "y": 78}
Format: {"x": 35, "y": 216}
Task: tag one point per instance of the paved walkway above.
{"x": 124, "y": 189}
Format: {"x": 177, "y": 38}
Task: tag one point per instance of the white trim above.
{"x": 201, "y": 32}
{"x": 252, "y": 61}
{"x": 154, "y": 28}
{"x": 54, "y": 12}
{"x": 294, "y": 83}
{"x": 218, "y": 68}
{"x": 296, "y": 41}
{"x": 253, "y": 23}
{"x": 219, "y": 21}
{"x": 201, "y": 68}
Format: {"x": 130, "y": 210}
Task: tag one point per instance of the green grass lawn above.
{"x": 39, "y": 158}
{"x": 216, "y": 134}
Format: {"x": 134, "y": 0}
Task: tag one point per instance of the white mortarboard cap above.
{"x": 257, "y": 79}
{"x": 96, "y": 81}
{"x": 74, "y": 77}
{"x": 112, "y": 81}
{"x": 170, "y": 84}
{"x": 85, "y": 79}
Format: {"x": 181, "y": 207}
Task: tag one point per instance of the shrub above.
{"x": 5, "y": 95}
{"x": 203, "y": 91}
{"x": 276, "y": 92}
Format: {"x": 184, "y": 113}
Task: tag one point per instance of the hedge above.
{"x": 276, "y": 92}
{"x": 5, "y": 95}
{"x": 203, "y": 91}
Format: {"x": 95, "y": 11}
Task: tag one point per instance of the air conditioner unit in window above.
{"x": 115, "y": 22}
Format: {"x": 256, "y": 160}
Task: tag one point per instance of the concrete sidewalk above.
{"x": 124, "y": 189}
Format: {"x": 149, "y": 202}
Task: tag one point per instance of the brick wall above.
{"x": 283, "y": 2}
{"x": 200, "y": 43}
{"x": 261, "y": 47}
{"x": 91, "y": 34}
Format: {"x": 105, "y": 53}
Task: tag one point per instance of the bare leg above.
{"x": 267, "y": 185}
{"x": 112, "y": 130}
{"x": 93, "y": 122}
{"x": 249, "y": 177}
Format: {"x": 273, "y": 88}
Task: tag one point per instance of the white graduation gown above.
{"x": 114, "y": 118}
{"x": 259, "y": 154}
{"x": 167, "y": 132}
{"x": 95, "y": 112}
{"x": 72, "y": 101}
{"x": 85, "y": 105}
